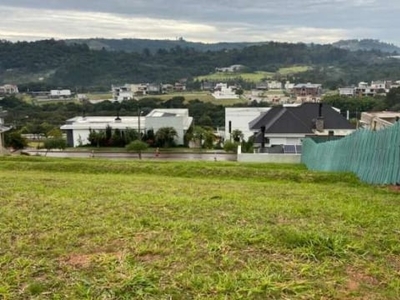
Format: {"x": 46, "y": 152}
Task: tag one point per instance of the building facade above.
{"x": 78, "y": 129}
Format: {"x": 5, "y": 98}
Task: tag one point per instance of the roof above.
{"x": 4, "y": 128}
{"x": 168, "y": 112}
{"x": 307, "y": 85}
{"x": 101, "y": 122}
{"x": 299, "y": 119}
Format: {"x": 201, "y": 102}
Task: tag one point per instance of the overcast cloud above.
{"x": 318, "y": 21}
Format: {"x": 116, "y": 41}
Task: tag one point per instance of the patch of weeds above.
{"x": 313, "y": 245}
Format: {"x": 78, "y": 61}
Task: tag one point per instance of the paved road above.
{"x": 147, "y": 156}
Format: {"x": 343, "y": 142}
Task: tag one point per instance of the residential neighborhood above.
{"x": 199, "y": 150}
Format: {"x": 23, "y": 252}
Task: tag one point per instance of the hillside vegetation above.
{"x": 56, "y": 64}
{"x": 253, "y": 77}
{"x": 367, "y": 44}
{"x": 100, "y": 229}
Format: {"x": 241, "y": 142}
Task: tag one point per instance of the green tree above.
{"x": 97, "y": 138}
{"x": 165, "y": 136}
{"x": 231, "y": 146}
{"x": 54, "y": 143}
{"x": 137, "y": 146}
{"x": 392, "y": 100}
{"x": 15, "y": 140}
{"x": 130, "y": 135}
{"x": 45, "y": 128}
{"x": 237, "y": 135}
{"x": 247, "y": 146}
{"x": 117, "y": 138}
{"x": 55, "y": 133}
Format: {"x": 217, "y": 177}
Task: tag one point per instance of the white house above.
{"x": 347, "y": 91}
{"x": 238, "y": 118}
{"x": 78, "y": 128}
{"x": 121, "y": 93}
{"x": 8, "y": 89}
{"x": 176, "y": 118}
{"x": 223, "y": 91}
{"x": 289, "y": 86}
{"x": 282, "y": 127}
{"x": 232, "y": 68}
{"x": 60, "y": 93}
{"x": 379, "y": 119}
{"x": 378, "y": 85}
{"x": 274, "y": 85}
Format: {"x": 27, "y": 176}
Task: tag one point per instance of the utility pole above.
{"x": 139, "y": 130}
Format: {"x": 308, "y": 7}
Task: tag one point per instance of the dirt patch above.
{"x": 357, "y": 277}
{"x": 149, "y": 257}
{"x": 85, "y": 260}
{"x": 394, "y": 188}
{"x": 77, "y": 260}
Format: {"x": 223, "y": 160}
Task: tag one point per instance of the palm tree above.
{"x": 165, "y": 136}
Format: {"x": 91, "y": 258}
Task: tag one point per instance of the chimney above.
{"x": 319, "y": 110}
{"x": 319, "y": 123}
{"x": 262, "y": 137}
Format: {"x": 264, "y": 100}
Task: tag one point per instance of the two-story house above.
{"x": 307, "y": 92}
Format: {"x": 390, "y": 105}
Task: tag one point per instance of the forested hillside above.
{"x": 140, "y": 45}
{"x": 367, "y": 44}
{"x": 55, "y": 63}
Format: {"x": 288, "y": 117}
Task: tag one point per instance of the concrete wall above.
{"x": 156, "y": 123}
{"x": 81, "y": 135}
{"x": 269, "y": 158}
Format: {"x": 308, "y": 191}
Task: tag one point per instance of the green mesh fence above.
{"x": 373, "y": 155}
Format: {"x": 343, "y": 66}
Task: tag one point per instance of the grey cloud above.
{"x": 346, "y": 18}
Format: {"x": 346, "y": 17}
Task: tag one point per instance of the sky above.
{"x": 209, "y": 21}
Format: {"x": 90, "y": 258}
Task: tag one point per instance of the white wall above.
{"x": 240, "y": 118}
{"x": 285, "y": 140}
{"x": 81, "y": 134}
{"x": 156, "y": 123}
{"x": 60, "y": 93}
{"x": 269, "y": 158}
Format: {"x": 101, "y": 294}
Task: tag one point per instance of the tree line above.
{"x": 75, "y": 66}
{"x": 45, "y": 120}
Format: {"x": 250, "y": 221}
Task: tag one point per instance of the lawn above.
{"x": 102, "y": 229}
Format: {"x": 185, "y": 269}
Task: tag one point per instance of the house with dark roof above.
{"x": 281, "y": 127}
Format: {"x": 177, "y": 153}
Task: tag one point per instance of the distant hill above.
{"x": 41, "y": 64}
{"x": 140, "y": 45}
{"x": 367, "y": 45}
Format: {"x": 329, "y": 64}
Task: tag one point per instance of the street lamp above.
{"x": 139, "y": 115}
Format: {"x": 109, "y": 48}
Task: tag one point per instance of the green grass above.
{"x": 225, "y": 76}
{"x": 253, "y": 77}
{"x": 99, "y": 96}
{"x": 102, "y": 229}
{"x": 293, "y": 70}
{"x": 201, "y": 96}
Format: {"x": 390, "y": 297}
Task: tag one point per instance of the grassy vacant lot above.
{"x": 224, "y": 76}
{"x": 293, "y": 70}
{"x": 253, "y": 77}
{"x": 201, "y": 96}
{"x": 101, "y": 229}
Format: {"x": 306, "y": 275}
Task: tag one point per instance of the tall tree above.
{"x": 165, "y": 136}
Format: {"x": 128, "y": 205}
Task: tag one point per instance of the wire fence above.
{"x": 374, "y": 156}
